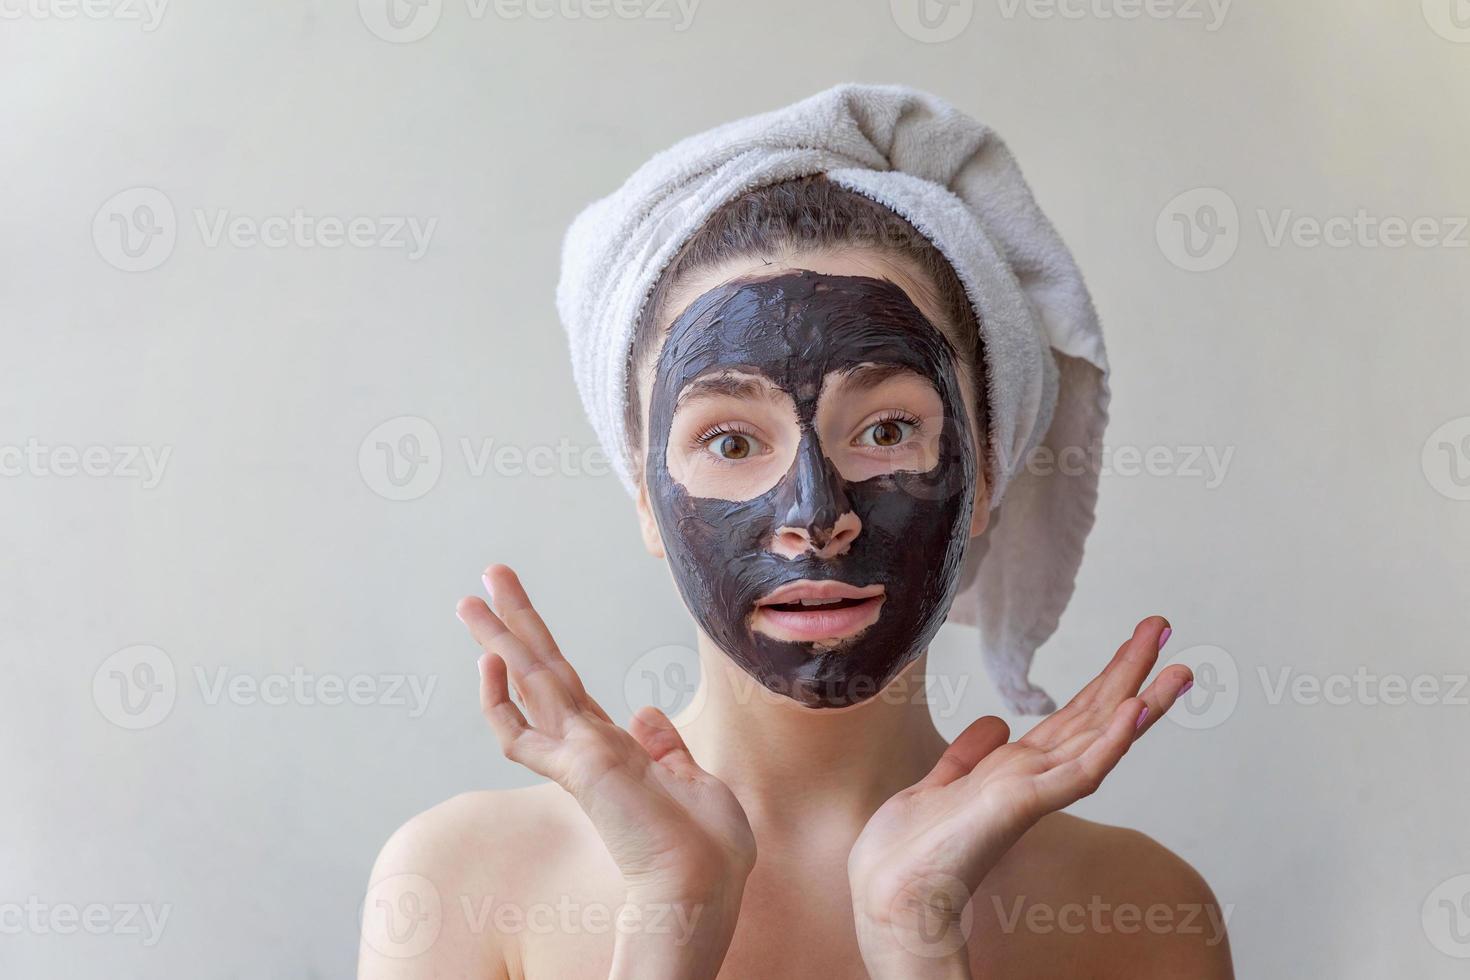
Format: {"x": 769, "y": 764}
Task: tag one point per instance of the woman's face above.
{"x": 811, "y": 471}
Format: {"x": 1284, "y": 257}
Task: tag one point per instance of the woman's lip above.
{"x": 818, "y": 589}
{"x": 817, "y": 623}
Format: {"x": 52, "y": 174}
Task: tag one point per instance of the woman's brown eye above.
{"x": 732, "y": 446}
{"x": 887, "y": 434}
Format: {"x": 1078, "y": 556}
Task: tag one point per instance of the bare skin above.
{"x": 757, "y": 838}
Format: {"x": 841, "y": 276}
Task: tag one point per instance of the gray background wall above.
{"x": 226, "y": 789}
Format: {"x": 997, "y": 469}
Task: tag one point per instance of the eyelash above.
{"x": 707, "y": 436}
{"x": 894, "y": 416}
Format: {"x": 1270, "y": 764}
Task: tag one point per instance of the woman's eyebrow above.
{"x": 725, "y": 383}
{"x": 873, "y": 374}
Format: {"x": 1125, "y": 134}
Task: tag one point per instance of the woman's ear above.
{"x": 652, "y": 540}
{"x": 980, "y": 518}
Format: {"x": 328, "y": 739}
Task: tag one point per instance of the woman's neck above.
{"x": 789, "y": 764}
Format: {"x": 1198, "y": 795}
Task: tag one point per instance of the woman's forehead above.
{"x": 795, "y": 327}
{"x": 846, "y": 262}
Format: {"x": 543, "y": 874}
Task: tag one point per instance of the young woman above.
{"x": 807, "y": 410}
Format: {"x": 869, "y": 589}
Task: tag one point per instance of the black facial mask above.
{"x": 795, "y": 329}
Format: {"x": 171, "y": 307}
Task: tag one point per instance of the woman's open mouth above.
{"x": 812, "y": 610}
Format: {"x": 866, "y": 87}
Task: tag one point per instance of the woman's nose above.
{"x": 814, "y": 515}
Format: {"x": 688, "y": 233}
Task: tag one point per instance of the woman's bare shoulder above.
{"x": 1118, "y": 890}
{"x": 458, "y": 877}
{"x": 505, "y": 835}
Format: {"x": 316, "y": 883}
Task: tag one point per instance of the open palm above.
{"x": 929, "y": 847}
{"x": 670, "y": 826}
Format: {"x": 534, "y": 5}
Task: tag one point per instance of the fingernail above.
{"x": 1185, "y": 689}
{"x": 1142, "y": 716}
{"x": 489, "y": 591}
{"x": 1164, "y": 636}
{"x": 458, "y": 615}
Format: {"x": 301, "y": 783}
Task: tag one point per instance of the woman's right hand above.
{"x": 677, "y": 834}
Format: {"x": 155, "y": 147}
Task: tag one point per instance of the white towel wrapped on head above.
{"x": 954, "y": 180}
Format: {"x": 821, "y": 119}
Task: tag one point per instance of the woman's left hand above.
{"x": 923, "y": 854}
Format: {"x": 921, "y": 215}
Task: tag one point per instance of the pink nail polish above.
{"x": 490, "y": 592}
{"x": 1164, "y": 636}
{"x": 1185, "y": 689}
{"x": 1142, "y": 717}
